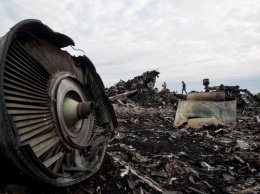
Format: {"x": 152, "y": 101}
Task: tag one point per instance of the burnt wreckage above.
{"x": 151, "y": 155}
{"x": 56, "y": 119}
{"x": 141, "y": 90}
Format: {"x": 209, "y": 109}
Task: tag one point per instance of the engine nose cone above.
{"x": 74, "y": 111}
{"x": 85, "y": 109}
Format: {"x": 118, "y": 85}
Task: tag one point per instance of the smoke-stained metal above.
{"x": 55, "y": 120}
{"x": 205, "y": 109}
{"x": 208, "y": 96}
{"x": 199, "y": 113}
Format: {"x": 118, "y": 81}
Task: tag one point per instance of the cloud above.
{"x": 188, "y": 40}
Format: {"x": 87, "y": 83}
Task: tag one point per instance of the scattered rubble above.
{"x": 144, "y": 93}
{"x": 149, "y": 155}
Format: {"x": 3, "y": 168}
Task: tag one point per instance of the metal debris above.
{"x": 52, "y": 106}
{"x": 209, "y": 108}
{"x": 198, "y": 113}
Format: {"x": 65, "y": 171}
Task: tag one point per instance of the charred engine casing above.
{"x": 55, "y": 119}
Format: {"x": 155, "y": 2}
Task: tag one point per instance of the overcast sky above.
{"x": 184, "y": 40}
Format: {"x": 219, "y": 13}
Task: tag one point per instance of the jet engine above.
{"x": 55, "y": 119}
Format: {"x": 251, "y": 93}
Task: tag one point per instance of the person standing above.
{"x": 164, "y": 86}
{"x": 183, "y": 88}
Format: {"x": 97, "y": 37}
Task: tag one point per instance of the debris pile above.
{"x": 148, "y": 155}
{"x": 140, "y": 90}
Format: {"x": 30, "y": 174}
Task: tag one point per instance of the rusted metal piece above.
{"x": 40, "y": 86}
{"x": 123, "y": 95}
{"x": 194, "y": 114}
{"x": 209, "y": 96}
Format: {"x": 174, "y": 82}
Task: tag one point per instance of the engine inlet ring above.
{"x": 69, "y": 88}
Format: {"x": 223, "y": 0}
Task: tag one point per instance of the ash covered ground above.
{"x": 148, "y": 155}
